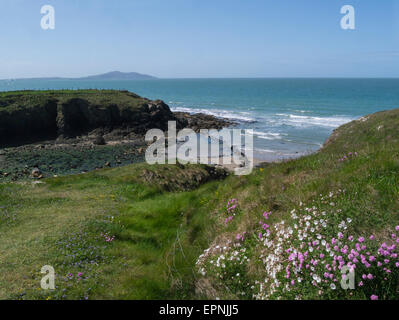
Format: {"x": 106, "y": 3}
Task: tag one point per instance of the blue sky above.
{"x": 200, "y": 38}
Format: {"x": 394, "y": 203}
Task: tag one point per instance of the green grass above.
{"x": 16, "y": 100}
{"x": 163, "y": 220}
{"x": 76, "y": 209}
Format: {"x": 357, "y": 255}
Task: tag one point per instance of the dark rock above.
{"x": 99, "y": 140}
{"x": 36, "y": 173}
{"x": 200, "y": 121}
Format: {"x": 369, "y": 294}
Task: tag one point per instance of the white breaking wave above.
{"x": 309, "y": 121}
{"x": 268, "y": 135}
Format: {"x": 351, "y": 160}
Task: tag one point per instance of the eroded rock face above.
{"x": 67, "y": 118}
{"x": 27, "y": 122}
{"x": 78, "y": 116}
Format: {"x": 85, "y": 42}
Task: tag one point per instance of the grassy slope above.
{"x": 160, "y": 234}
{"x": 14, "y": 100}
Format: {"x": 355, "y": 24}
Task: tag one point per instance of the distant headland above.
{"x": 113, "y": 75}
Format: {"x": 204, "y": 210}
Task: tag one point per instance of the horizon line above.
{"x": 82, "y": 78}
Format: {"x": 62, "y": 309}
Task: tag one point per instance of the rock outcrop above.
{"x": 200, "y": 121}
{"x": 33, "y": 115}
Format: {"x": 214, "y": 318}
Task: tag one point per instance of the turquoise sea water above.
{"x": 290, "y": 117}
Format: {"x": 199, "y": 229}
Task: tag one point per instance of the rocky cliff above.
{"x": 29, "y": 115}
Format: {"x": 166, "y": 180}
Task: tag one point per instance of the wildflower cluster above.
{"x": 107, "y": 237}
{"x": 77, "y": 250}
{"x": 265, "y": 226}
{"x": 228, "y": 265}
{"x": 81, "y": 256}
{"x": 349, "y": 156}
{"x": 78, "y": 277}
{"x": 315, "y": 253}
{"x": 306, "y": 256}
{"x": 231, "y": 210}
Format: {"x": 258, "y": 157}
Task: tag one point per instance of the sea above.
{"x": 289, "y": 117}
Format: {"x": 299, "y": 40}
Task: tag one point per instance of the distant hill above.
{"x": 117, "y": 75}
{"x": 114, "y": 75}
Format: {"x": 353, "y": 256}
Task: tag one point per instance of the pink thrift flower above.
{"x": 372, "y": 237}
{"x": 374, "y": 297}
